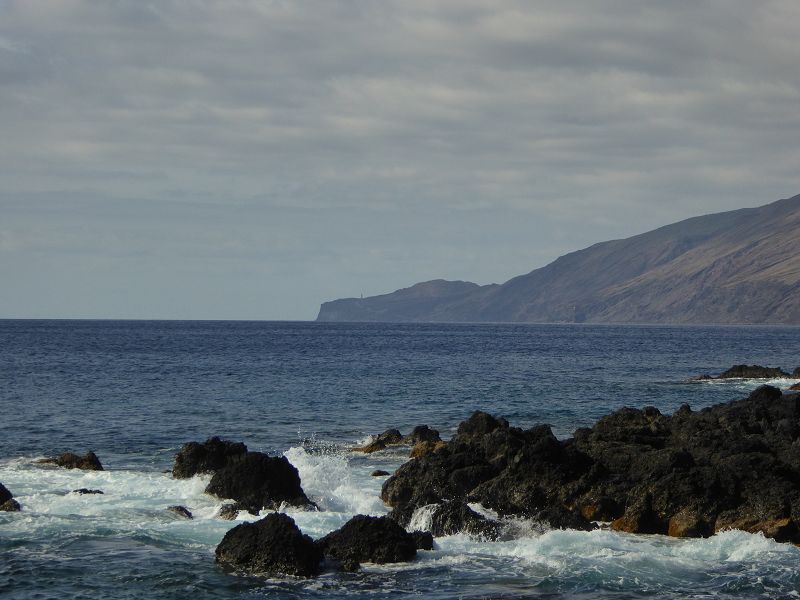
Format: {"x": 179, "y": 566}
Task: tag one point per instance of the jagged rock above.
{"x": 421, "y": 433}
{"x": 389, "y": 437}
{"x": 229, "y": 512}
{"x": 796, "y": 373}
{"x": 422, "y": 448}
{"x": 687, "y": 523}
{"x": 5, "y": 495}
{"x": 84, "y": 491}
{"x": 730, "y": 465}
{"x": 10, "y": 505}
{"x": 423, "y": 540}
{"x": 273, "y": 546}
{"x": 368, "y": 539}
{"x": 257, "y": 481}
{"x": 68, "y": 460}
{"x": 452, "y": 517}
{"x": 180, "y": 511}
{"x": 752, "y": 372}
{"x": 380, "y": 473}
{"x": 212, "y": 455}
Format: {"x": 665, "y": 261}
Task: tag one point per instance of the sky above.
{"x": 188, "y": 159}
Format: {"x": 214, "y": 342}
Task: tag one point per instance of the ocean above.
{"x": 135, "y": 391}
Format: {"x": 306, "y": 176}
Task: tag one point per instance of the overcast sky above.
{"x": 251, "y": 159}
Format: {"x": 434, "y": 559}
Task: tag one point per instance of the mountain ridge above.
{"x": 739, "y": 266}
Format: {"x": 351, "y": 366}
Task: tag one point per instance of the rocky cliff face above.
{"x": 741, "y": 266}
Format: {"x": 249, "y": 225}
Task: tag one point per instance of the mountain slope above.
{"x": 741, "y": 266}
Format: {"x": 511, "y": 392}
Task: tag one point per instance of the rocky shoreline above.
{"x": 734, "y": 465}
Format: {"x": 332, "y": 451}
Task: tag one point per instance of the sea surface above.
{"x": 135, "y": 391}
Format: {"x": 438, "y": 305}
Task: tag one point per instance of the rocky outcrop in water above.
{"x": 272, "y": 546}
{"x": 750, "y": 372}
{"x": 7, "y": 502}
{"x": 212, "y": 455}
{"x": 368, "y": 539}
{"x": 257, "y": 481}
{"x": 180, "y": 511}
{"x": 68, "y": 460}
{"x": 393, "y": 437}
{"x": 734, "y": 465}
{"x": 86, "y": 491}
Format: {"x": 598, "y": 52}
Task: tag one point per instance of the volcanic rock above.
{"x": 795, "y": 387}
{"x": 273, "y": 546}
{"x": 210, "y": 456}
{"x": 423, "y": 448}
{"x": 86, "y": 491}
{"x": 368, "y": 539}
{"x": 730, "y": 465}
{"x": 379, "y": 473}
{"x": 423, "y": 540}
{"x": 421, "y": 433}
{"x": 752, "y": 372}
{"x": 180, "y": 511}
{"x": 390, "y": 437}
{"x": 68, "y": 460}
{"x": 5, "y": 495}
{"x": 229, "y": 511}
{"x": 10, "y": 506}
{"x": 258, "y": 481}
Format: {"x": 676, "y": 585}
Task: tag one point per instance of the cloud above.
{"x": 299, "y": 132}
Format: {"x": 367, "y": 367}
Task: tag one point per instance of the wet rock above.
{"x": 5, "y": 495}
{"x": 368, "y": 539}
{"x": 180, "y": 511}
{"x": 380, "y": 473}
{"x": 729, "y": 465}
{"x": 421, "y": 433}
{"x": 423, "y": 448}
{"x": 258, "y": 481}
{"x": 272, "y": 546}
{"x": 796, "y": 373}
{"x": 68, "y": 460}
{"x": 795, "y": 387}
{"x": 10, "y": 505}
{"x": 688, "y": 524}
{"x": 83, "y": 491}
{"x": 212, "y": 455}
{"x": 423, "y": 540}
{"x": 229, "y": 512}
{"x": 752, "y": 372}
{"x": 389, "y": 437}
{"x": 449, "y": 518}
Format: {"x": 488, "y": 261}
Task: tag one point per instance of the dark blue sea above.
{"x": 135, "y": 391}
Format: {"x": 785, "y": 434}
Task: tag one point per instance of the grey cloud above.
{"x": 377, "y": 142}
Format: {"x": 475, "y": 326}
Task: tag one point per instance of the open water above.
{"x": 135, "y": 391}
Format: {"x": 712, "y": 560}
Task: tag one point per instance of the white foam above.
{"x": 328, "y": 479}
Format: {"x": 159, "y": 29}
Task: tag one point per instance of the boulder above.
{"x": 212, "y": 455}
{"x": 380, "y": 473}
{"x": 454, "y": 516}
{"x": 368, "y": 539}
{"x": 229, "y": 511}
{"x": 258, "y": 481}
{"x": 795, "y": 387}
{"x": 421, "y": 433}
{"x": 5, "y": 495}
{"x": 10, "y": 506}
{"x": 272, "y": 546}
{"x": 180, "y": 511}
{"x": 68, "y": 460}
{"x": 688, "y": 524}
{"x": 86, "y": 491}
{"x": 390, "y": 437}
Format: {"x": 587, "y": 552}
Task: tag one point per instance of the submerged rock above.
{"x": 180, "y": 511}
{"x": 379, "y": 473}
{"x": 85, "y": 491}
{"x": 273, "y": 545}
{"x": 795, "y": 387}
{"x": 257, "y": 481}
{"x": 10, "y": 506}
{"x": 368, "y": 539}
{"x": 689, "y": 474}
{"x": 213, "y": 454}
{"x": 68, "y": 460}
{"x": 229, "y": 512}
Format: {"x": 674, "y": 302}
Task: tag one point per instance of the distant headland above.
{"x": 736, "y": 267}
